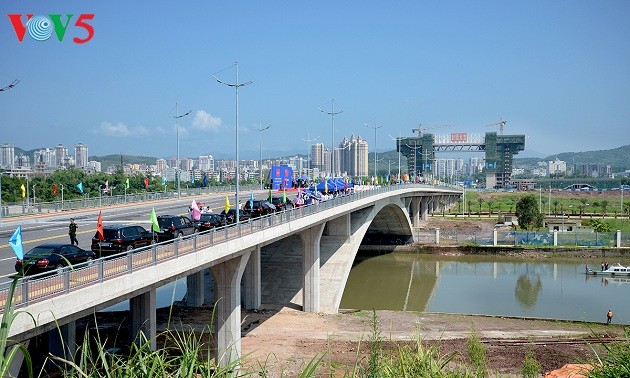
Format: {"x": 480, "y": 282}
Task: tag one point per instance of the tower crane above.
{"x": 421, "y": 129}
{"x": 502, "y": 123}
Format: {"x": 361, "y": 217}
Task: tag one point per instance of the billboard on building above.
{"x": 281, "y": 177}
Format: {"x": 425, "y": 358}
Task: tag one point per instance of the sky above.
{"x": 555, "y": 71}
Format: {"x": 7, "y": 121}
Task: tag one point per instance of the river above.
{"x": 485, "y": 285}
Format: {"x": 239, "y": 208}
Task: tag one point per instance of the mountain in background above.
{"x": 616, "y": 157}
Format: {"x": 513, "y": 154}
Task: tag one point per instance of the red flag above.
{"x": 146, "y": 182}
{"x": 99, "y": 228}
{"x": 54, "y": 189}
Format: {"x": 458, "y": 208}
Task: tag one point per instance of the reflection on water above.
{"x": 483, "y": 285}
{"x": 527, "y": 290}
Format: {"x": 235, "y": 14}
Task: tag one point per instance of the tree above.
{"x": 555, "y": 206}
{"x": 470, "y": 203}
{"x": 604, "y": 205}
{"x": 480, "y": 201}
{"x": 527, "y": 213}
{"x": 490, "y": 204}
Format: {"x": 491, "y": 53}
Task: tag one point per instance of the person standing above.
{"x": 609, "y": 316}
{"x": 72, "y": 231}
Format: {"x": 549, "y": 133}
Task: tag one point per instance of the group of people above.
{"x": 604, "y": 266}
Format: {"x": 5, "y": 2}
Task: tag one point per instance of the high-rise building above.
{"x": 317, "y": 156}
{"x": 206, "y": 163}
{"x": 81, "y": 155}
{"x": 161, "y": 165}
{"x": 7, "y": 155}
{"x": 45, "y": 158}
{"x": 354, "y": 156}
{"x": 60, "y": 155}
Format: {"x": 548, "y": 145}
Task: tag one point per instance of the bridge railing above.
{"x": 39, "y": 287}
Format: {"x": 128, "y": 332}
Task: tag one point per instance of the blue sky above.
{"x": 556, "y": 71}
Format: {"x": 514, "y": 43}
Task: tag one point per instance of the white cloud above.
{"x": 205, "y": 121}
{"x": 120, "y": 130}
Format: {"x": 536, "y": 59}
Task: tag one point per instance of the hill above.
{"x": 616, "y": 157}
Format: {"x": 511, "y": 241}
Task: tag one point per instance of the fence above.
{"x": 533, "y": 238}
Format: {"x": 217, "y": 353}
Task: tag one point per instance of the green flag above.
{"x": 284, "y": 196}
{"x": 127, "y": 183}
{"x": 270, "y": 195}
{"x": 154, "y": 223}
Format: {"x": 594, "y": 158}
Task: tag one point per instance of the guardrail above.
{"x": 39, "y": 287}
{"x": 18, "y": 209}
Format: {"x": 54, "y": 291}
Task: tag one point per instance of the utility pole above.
{"x": 332, "y": 146}
{"x": 177, "y": 117}
{"x": 236, "y": 86}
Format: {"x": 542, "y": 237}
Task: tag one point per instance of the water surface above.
{"x": 479, "y": 285}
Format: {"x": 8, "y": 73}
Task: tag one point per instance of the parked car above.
{"x": 209, "y": 221}
{"x": 174, "y": 226}
{"x": 50, "y": 257}
{"x": 257, "y": 208}
{"x": 119, "y": 238}
{"x": 280, "y": 205}
{"x": 230, "y": 217}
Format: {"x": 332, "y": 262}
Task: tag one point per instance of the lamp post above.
{"x": 260, "y": 130}
{"x": 1, "y": 208}
{"x": 100, "y": 195}
{"x": 61, "y": 197}
{"x": 236, "y": 86}
{"x": 375, "y": 127}
{"x": 332, "y": 145}
{"x": 177, "y": 117}
{"x": 397, "y": 149}
{"x": 308, "y": 151}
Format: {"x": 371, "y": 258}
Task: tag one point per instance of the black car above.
{"x": 257, "y": 208}
{"x": 174, "y": 226}
{"x": 209, "y": 221}
{"x": 118, "y": 238}
{"x": 50, "y": 257}
{"x": 280, "y": 205}
{"x": 230, "y": 217}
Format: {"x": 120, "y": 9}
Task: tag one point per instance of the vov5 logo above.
{"x": 40, "y": 28}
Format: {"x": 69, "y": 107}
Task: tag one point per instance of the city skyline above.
{"x": 554, "y": 72}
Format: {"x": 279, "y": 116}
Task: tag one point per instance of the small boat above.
{"x": 613, "y": 270}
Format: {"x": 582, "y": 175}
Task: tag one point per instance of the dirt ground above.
{"x": 285, "y": 340}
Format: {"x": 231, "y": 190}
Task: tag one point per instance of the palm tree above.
{"x": 480, "y": 201}
{"x": 584, "y": 202}
{"x": 490, "y": 203}
{"x": 555, "y": 206}
{"x": 470, "y": 203}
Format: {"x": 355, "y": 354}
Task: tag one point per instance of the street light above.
{"x": 375, "y": 127}
{"x": 177, "y": 117}
{"x": 235, "y": 85}
{"x": 261, "y": 129}
{"x": 332, "y": 146}
{"x": 398, "y": 149}
{"x": 308, "y": 151}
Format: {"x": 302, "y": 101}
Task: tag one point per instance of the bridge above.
{"x": 329, "y": 232}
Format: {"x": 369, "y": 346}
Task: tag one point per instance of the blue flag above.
{"x": 251, "y": 200}
{"x": 16, "y": 243}
{"x": 163, "y": 180}
{"x": 80, "y": 187}
{"x": 205, "y": 180}
{"x": 192, "y": 179}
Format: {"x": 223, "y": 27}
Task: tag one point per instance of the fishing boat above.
{"x": 613, "y": 270}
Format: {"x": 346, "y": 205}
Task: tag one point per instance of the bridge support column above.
{"x": 415, "y": 211}
{"x": 195, "y": 289}
{"x": 252, "y": 290}
{"x": 310, "y": 267}
{"x": 227, "y": 277}
{"x": 143, "y": 318}
{"x": 424, "y": 209}
{"x": 62, "y": 341}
